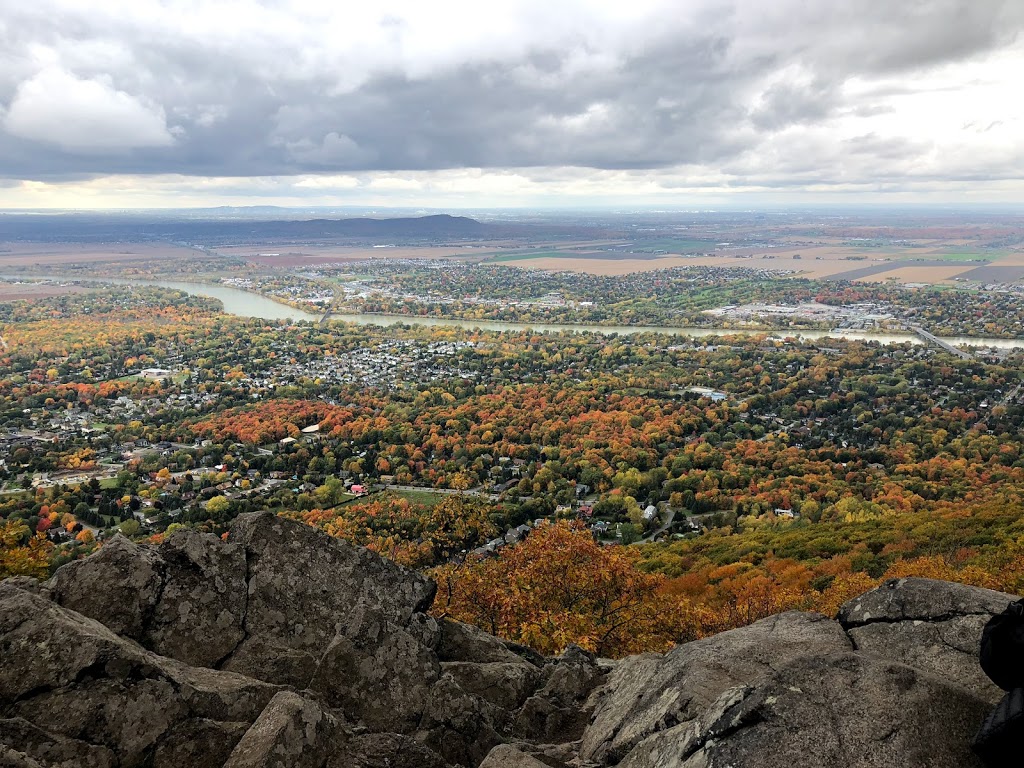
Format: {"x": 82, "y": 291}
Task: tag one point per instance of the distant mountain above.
{"x": 143, "y": 227}
{"x": 441, "y": 225}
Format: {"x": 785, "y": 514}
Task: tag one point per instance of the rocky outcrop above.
{"x": 278, "y": 646}
{"x": 284, "y": 647}
{"x": 876, "y": 687}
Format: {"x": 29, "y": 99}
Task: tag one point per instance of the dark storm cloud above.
{"x": 83, "y": 91}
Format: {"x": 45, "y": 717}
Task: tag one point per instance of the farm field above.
{"x": 14, "y": 291}
{"x": 61, "y": 255}
{"x": 820, "y": 263}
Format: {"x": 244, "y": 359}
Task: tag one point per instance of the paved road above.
{"x": 662, "y": 529}
{"x": 445, "y": 491}
{"x": 1010, "y": 395}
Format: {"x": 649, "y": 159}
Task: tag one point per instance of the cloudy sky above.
{"x": 142, "y": 103}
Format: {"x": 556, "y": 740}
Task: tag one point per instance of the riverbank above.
{"x": 249, "y": 304}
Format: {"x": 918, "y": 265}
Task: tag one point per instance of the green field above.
{"x": 109, "y": 482}
{"x": 426, "y": 498}
{"x": 967, "y": 255}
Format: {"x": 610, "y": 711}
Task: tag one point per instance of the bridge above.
{"x": 936, "y": 341}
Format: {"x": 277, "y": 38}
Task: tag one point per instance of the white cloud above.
{"x": 510, "y": 100}
{"x": 83, "y": 116}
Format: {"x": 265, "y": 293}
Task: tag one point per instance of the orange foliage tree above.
{"x": 560, "y": 587}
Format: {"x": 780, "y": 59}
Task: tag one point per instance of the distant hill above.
{"x": 149, "y": 227}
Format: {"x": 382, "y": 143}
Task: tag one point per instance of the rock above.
{"x": 108, "y": 691}
{"x": 510, "y": 756}
{"x": 257, "y": 657}
{"x": 923, "y": 600}
{"x": 292, "y": 732}
{"x": 650, "y": 693}
{"x": 186, "y": 599}
{"x": 198, "y": 743}
{"x": 559, "y": 710}
{"x": 932, "y": 625}
{"x": 426, "y": 629}
{"x": 52, "y": 750}
{"x": 198, "y": 617}
{"x": 457, "y": 725}
{"x": 504, "y": 684}
{"x": 894, "y": 682}
{"x": 386, "y": 750}
{"x": 10, "y": 758}
{"x": 464, "y": 642}
{"x": 673, "y": 746}
{"x": 118, "y": 586}
{"x": 377, "y": 673}
{"x": 838, "y": 711}
{"x": 304, "y": 584}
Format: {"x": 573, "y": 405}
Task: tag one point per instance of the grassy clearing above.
{"x": 109, "y": 482}
{"x": 426, "y": 498}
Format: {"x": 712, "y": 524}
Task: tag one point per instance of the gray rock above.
{"x": 560, "y": 710}
{"x": 840, "y": 711}
{"x": 198, "y": 617}
{"x": 263, "y": 659}
{"x": 386, "y": 750}
{"x": 108, "y": 691}
{"x": 922, "y": 600}
{"x": 458, "y": 725}
{"x": 464, "y": 642}
{"x": 118, "y": 586}
{"x": 292, "y": 732}
{"x": 932, "y": 625}
{"x": 511, "y": 756}
{"x": 947, "y": 649}
{"x": 11, "y": 758}
{"x": 377, "y": 673}
{"x": 504, "y": 684}
{"x": 51, "y": 749}
{"x": 426, "y": 629}
{"x": 303, "y": 584}
{"x": 198, "y": 743}
{"x": 650, "y": 693}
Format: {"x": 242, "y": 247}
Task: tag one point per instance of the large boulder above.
{"x": 292, "y": 732}
{"x": 304, "y": 584}
{"x": 85, "y": 683}
{"x": 649, "y": 693}
{"x": 118, "y": 586}
{"x": 377, "y": 673}
{"x": 842, "y": 710}
{"x": 934, "y": 626}
{"x": 464, "y": 642}
{"x": 458, "y": 725}
{"x": 198, "y": 617}
{"x": 185, "y": 599}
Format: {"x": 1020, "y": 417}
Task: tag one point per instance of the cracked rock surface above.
{"x": 284, "y": 647}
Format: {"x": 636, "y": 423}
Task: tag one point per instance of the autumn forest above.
{"x": 622, "y": 492}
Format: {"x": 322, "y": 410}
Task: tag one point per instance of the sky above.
{"x": 509, "y": 103}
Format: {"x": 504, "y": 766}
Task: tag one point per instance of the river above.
{"x": 248, "y": 304}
